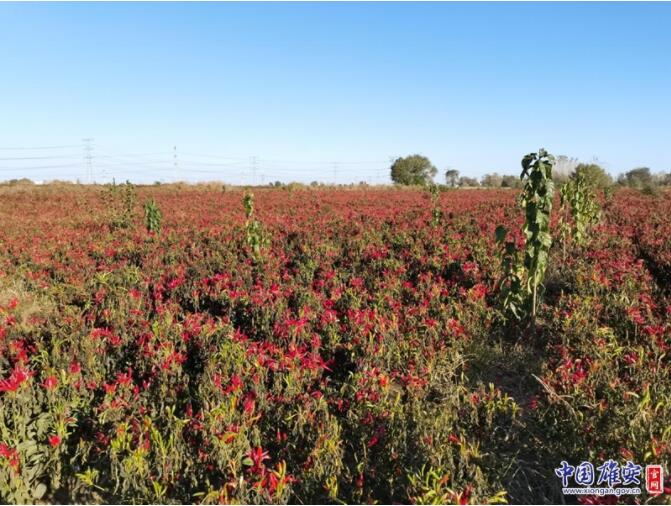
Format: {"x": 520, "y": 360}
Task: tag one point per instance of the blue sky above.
{"x": 304, "y": 85}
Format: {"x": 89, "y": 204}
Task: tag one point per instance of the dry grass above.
{"x": 29, "y": 304}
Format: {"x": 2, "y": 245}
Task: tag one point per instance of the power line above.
{"x": 37, "y": 148}
{"x": 109, "y": 162}
{"x": 210, "y": 164}
{"x": 88, "y": 157}
{"x": 127, "y": 155}
{"x": 16, "y": 158}
{"x": 39, "y": 167}
{"x": 316, "y": 162}
{"x": 203, "y": 155}
{"x": 119, "y": 165}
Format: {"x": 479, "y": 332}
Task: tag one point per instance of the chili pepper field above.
{"x": 338, "y": 345}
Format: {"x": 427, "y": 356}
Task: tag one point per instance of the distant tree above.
{"x": 468, "y": 181}
{"x": 511, "y": 182}
{"x": 563, "y": 168}
{"x": 560, "y": 179}
{"x": 491, "y": 180}
{"x": 414, "y": 169}
{"x": 661, "y": 179}
{"x": 637, "y": 178}
{"x": 452, "y": 177}
{"x": 22, "y": 181}
{"x": 594, "y": 175}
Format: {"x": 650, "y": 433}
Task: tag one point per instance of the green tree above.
{"x": 452, "y": 177}
{"x": 468, "y": 181}
{"x": 637, "y": 178}
{"x": 412, "y": 170}
{"x": 492, "y": 180}
{"x": 511, "y": 182}
{"x": 593, "y": 174}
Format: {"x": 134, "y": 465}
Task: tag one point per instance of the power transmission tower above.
{"x": 335, "y": 173}
{"x": 88, "y": 158}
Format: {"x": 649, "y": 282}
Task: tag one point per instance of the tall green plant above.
{"x": 537, "y": 202}
{"x": 119, "y": 201}
{"x": 152, "y": 217}
{"x": 511, "y": 284}
{"x": 436, "y": 211}
{"x": 578, "y": 197}
{"x": 254, "y": 235}
{"x": 522, "y": 281}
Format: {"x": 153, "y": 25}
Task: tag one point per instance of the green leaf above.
{"x": 500, "y": 233}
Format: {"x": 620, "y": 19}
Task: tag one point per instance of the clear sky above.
{"x": 303, "y": 85}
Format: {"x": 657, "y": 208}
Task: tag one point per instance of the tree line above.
{"x": 418, "y": 170}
